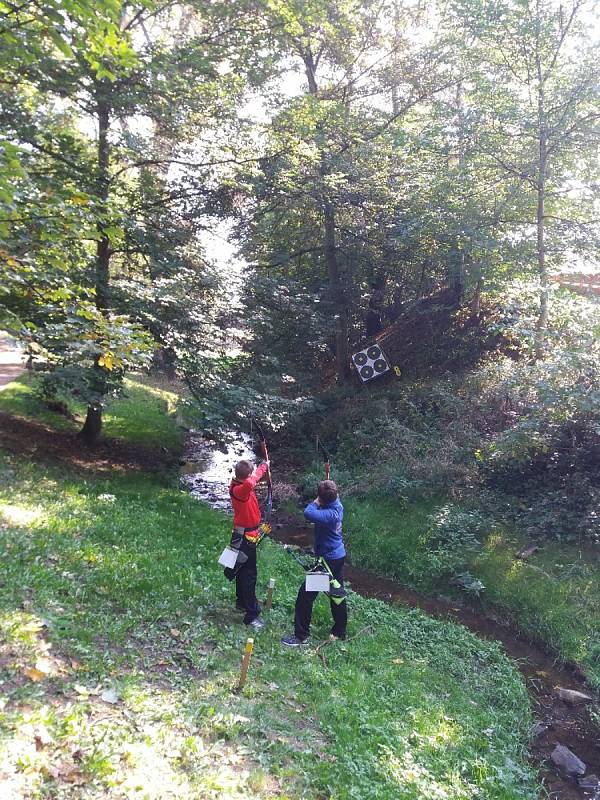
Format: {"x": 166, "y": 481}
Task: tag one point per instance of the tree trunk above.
{"x": 457, "y": 277}
{"x": 93, "y": 421}
{"x": 92, "y": 425}
{"x": 337, "y": 291}
{"x": 103, "y": 181}
{"x": 542, "y": 323}
{"x": 476, "y": 299}
{"x": 330, "y": 246}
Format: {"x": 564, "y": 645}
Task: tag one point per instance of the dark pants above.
{"x": 305, "y": 600}
{"x": 245, "y": 584}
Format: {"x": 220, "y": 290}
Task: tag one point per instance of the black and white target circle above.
{"x": 370, "y": 362}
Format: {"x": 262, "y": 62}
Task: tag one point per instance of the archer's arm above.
{"x": 314, "y": 513}
{"x": 242, "y": 490}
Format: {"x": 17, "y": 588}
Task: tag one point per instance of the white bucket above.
{"x": 228, "y": 557}
{"x": 317, "y": 582}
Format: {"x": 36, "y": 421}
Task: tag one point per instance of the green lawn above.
{"x": 145, "y": 414}
{"x": 120, "y": 651}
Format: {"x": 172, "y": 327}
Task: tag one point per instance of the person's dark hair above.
{"x": 327, "y": 492}
{"x": 242, "y": 470}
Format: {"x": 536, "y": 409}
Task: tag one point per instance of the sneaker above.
{"x": 293, "y": 641}
{"x": 257, "y": 624}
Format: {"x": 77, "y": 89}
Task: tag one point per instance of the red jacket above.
{"x": 246, "y": 513}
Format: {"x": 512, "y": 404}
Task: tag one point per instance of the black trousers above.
{"x": 305, "y": 600}
{"x": 245, "y": 584}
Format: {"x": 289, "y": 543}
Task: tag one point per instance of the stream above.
{"x": 206, "y": 471}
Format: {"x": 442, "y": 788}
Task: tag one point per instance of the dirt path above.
{"x": 556, "y": 722}
{"x": 11, "y": 361}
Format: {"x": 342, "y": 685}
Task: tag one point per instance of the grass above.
{"x": 145, "y": 413}
{"x": 120, "y": 651}
{"x": 554, "y": 595}
{"x": 389, "y": 539}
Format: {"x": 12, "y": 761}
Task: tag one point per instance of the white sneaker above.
{"x": 257, "y": 624}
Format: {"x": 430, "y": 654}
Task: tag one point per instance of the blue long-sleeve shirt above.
{"x": 328, "y": 528}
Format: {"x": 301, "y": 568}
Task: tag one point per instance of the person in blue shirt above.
{"x": 327, "y": 513}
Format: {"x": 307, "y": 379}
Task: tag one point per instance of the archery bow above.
{"x": 326, "y": 461}
{"x": 265, "y": 453}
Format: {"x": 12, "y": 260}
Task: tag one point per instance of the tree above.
{"x": 111, "y": 218}
{"x": 325, "y": 183}
{"x": 544, "y": 110}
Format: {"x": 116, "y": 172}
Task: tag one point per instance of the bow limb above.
{"x": 265, "y": 453}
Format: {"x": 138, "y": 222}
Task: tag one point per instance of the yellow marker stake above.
{"x": 269, "y": 603}
{"x": 246, "y": 662}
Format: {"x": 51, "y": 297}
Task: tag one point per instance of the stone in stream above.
{"x": 527, "y": 551}
{"x": 572, "y": 697}
{"x": 567, "y": 761}
{"x": 589, "y": 782}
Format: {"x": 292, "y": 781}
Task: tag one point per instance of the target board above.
{"x": 370, "y": 363}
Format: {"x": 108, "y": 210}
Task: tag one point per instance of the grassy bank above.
{"x": 120, "y": 650}
{"x": 554, "y": 595}
{"x": 144, "y": 415}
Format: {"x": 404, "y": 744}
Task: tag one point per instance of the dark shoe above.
{"x": 293, "y": 641}
{"x": 257, "y": 624}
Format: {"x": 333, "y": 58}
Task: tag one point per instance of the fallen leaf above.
{"x": 175, "y": 632}
{"x": 273, "y": 687}
{"x": 66, "y": 772}
{"x": 34, "y": 674}
{"x": 398, "y": 661}
{"x": 42, "y": 737}
{"x": 76, "y": 664}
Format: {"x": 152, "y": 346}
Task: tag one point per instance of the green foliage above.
{"x": 547, "y": 418}
{"x": 526, "y": 428}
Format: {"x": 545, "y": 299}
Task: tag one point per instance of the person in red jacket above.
{"x": 246, "y": 522}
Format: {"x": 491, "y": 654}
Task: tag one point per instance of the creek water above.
{"x": 206, "y": 472}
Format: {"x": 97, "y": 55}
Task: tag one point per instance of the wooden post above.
{"x": 246, "y": 663}
{"x": 269, "y": 603}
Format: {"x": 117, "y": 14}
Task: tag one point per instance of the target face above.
{"x": 371, "y": 362}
